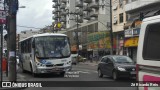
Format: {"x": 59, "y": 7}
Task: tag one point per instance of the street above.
{"x": 85, "y": 73}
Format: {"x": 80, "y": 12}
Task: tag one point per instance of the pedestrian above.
{"x": 91, "y": 57}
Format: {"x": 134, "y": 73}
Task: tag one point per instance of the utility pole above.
{"x": 111, "y": 29}
{"x": 77, "y": 36}
{"x": 13, "y": 7}
{"x": 1, "y": 30}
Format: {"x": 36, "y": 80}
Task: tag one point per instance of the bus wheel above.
{"x": 62, "y": 74}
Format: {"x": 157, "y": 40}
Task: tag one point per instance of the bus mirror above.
{"x": 33, "y": 44}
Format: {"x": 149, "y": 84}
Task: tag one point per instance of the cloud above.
{"x": 38, "y": 13}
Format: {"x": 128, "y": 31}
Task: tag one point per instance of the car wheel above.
{"x": 100, "y": 73}
{"x": 114, "y": 75}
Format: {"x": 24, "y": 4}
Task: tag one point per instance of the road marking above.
{"x": 82, "y": 72}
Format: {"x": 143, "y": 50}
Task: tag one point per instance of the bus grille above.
{"x": 59, "y": 64}
{"x": 49, "y": 65}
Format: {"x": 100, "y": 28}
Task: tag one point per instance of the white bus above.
{"x": 148, "y": 55}
{"x": 45, "y": 53}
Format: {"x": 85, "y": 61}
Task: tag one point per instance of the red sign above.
{"x": 2, "y": 17}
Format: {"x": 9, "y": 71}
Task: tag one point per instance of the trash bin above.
{"x": 4, "y": 63}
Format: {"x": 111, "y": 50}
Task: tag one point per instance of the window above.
{"x": 121, "y": 18}
{"x": 151, "y": 48}
{"x": 120, "y": 3}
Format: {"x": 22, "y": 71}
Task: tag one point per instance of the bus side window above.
{"x": 151, "y": 48}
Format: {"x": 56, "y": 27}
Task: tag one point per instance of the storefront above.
{"x": 99, "y": 43}
{"x": 131, "y": 42}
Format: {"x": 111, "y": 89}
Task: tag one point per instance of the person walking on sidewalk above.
{"x": 91, "y": 57}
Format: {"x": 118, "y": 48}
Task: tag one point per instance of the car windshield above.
{"x": 52, "y": 46}
{"x": 122, "y": 59}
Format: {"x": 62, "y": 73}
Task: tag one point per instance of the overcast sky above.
{"x": 38, "y": 14}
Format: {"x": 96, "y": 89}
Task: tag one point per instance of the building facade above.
{"x": 89, "y": 20}
{"x": 118, "y": 19}
{"x": 136, "y": 11}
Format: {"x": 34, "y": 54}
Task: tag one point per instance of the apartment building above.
{"x": 136, "y": 10}
{"x": 61, "y": 13}
{"x": 91, "y": 26}
{"x": 118, "y": 19}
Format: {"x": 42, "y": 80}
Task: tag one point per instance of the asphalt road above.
{"x": 80, "y": 72}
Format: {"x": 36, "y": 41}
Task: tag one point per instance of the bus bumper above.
{"x": 53, "y": 69}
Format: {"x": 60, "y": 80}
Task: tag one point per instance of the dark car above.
{"x": 116, "y": 66}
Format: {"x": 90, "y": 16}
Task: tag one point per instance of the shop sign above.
{"x": 128, "y": 33}
{"x": 136, "y": 31}
{"x": 132, "y": 32}
{"x": 131, "y": 42}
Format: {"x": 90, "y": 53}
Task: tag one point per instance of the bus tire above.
{"x": 62, "y": 74}
{"x": 33, "y": 74}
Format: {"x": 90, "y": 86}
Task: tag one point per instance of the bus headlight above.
{"x": 40, "y": 65}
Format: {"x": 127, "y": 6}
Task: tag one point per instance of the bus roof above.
{"x": 44, "y": 34}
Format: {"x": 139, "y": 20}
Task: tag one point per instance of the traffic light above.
{"x": 141, "y": 16}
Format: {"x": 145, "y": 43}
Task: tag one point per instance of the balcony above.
{"x": 94, "y": 14}
{"x": 63, "y": 12}
{"x": 87, "y": 8}
{"x": 86, "y": 16}
{"x": 57, "y": 4}
{"x": 79, "y": 3}
{"x": 54, "y": 0}
{"x": 79, "y": 12}
{"x": 94, "y": 5}
{"x": 63, "y": 6}
{"x": 54, "y": 12}
{"x": 54, "y": 6}
{"x": 130, "y": 6}
{"x": 87, "y": 1}
{"x": 57, "y": 10}
{"x": 63, "y": 1}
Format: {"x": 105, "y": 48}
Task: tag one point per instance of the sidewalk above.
{"x": 19, "y": 78}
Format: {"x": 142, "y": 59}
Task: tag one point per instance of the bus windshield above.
{"x": 52, "y": 47}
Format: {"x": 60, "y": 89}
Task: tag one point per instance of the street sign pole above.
{"x": 13, "y": 7}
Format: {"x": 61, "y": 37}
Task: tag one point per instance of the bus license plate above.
{"x": 133, "y": 72}
{"x": 54, "y": 69}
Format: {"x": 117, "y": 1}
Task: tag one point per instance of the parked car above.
{"x": 116, "y": 66}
